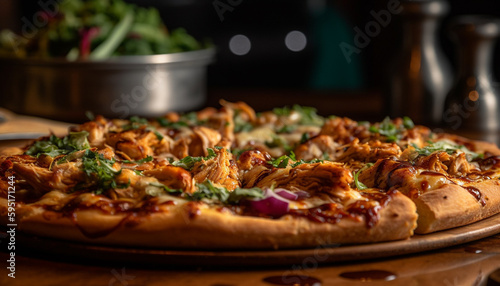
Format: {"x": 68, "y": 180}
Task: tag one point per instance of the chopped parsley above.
{"x": 191, "y": 118}
{"x": 156, "y": 189}
{"x": 136, "y": 122}
{"x": 171, "y": 124}
{"x": 241, "y": 125}
{"x": 304, "y": 138}
{"x": 408, "y": 123}
{"x": 308, "y": 115}
{"x": 300, "y": 162}
{"x": 287, "y": 129}
{"x": 358, "y": 183}
{"x": 100, "y": 171}
{"x": 448, "y": 147}
{"x": 388, "y": 129}
{"x": 56, "y": 146}
{"x": 188, "y": 162}
{"x": 207, "y": 191}
{"x": 282, "y": 161}
{"x": 141, "y": 161}
{"x": 278, "y": 142}
{"x": 185, "y": 120}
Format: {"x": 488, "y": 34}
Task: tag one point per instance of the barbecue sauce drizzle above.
{"x": 393, "y": 182}
{"x": 131, "y": 212}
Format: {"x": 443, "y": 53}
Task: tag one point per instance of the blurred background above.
{"x": 291, "y": 47}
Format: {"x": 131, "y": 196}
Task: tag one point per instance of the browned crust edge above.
{"x": 212, "y": 229}
{"x": 452, "y": 206}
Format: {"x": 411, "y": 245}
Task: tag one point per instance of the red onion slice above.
{"x": 286, "y": 194}
{"x": 302, "y": 194}
{"x": 273, "y": 204}
{"x": 86, "y": 37}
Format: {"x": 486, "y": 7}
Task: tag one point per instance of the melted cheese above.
{"x": 260, "y": 134}
{"x": 346, "y": 197}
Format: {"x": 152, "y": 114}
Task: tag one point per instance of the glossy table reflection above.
{"x": 468, "y": 264}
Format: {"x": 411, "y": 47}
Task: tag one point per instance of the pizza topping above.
{"x": 391, "y": 174}
{"x": 453, "y": 165}
{"x": 286, "y": 194}
{"x": 476, "y": 193}
{"x": 273, "y": 204}
{"x": 55, "y": 146}
{"x": 360, "y": 185}
{"x": 188, "y": 162}
{"x": 369, "y": 152}
{"x": 299, "y": 114}
{"x": 365, "y": 209}
{"x": 321, "y": 146}
{"x": 388, "y": 129}
{"x": 327, "y": 213}
{"x": 207, "y": 191}
{"x": 290, "y": 162}
{"x": 172, "y": 177}
{"x": 100, "y": 172}
{"x": 490, "y": 163}
{"x": 220, "y": 170}
{"x": 449, "y": 148}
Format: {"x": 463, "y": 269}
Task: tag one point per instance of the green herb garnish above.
{"x": 308, "y": 115}
{"x": 136, "y": 122}
{"x": 278, "y": 141}
{"x": 388, "y": 129}
{"x": 241, "y": 125}
{"x": 208, "y": 191}
{"x": 304, "y": 138}
{"x": 159, "y": 189}
{"x": 188, "y": 162}
{"x": 408, "y": 123}
{"x": 141, "y": 161}
{"x": 300, "y": 162}
{"x": 448, "y": 147}
{"x": 287, "y": 129}
{"x": 170, "y": 124}
{"x": 358, "y": 183}
{"x": 282, "y": 161}
{"x": 100, "y": 171}
{"x": 56, "y": 146}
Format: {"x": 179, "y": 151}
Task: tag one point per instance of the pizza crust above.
{"x": 452, "y": 205}
{"x": 477, "y": 145}
{"x": 210, "y": 228}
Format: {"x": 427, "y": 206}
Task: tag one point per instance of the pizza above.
{"x": 233, "y": 178}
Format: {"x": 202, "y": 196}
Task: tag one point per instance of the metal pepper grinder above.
{"x": 421, "y": 75}
{"x": 473, "y": 103}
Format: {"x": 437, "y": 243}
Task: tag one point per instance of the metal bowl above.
{"x": 119, "y": 87}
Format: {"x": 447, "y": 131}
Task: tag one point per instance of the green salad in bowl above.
{"x": 97, "y": 30}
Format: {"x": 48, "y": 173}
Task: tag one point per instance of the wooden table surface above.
{"x": 468, "y": 264}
